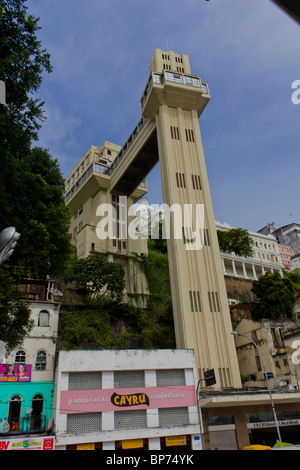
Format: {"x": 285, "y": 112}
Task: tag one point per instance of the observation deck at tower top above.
{"x": 139, "y": 155}
{"x": 141, "y": 149}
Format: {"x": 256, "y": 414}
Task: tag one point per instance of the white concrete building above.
{"x": 295, "y": 262}
{"x": 39, "y": 347}
{"x": 143, "y": 399}
{"x": 266, "y": 257}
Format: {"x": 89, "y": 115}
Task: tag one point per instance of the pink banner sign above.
{"x": 15, "y": 372}
{"x": 87, "y": 401}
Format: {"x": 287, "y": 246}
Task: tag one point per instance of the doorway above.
{"x": 14, "y": 412}
{"x": 37, "y": 412}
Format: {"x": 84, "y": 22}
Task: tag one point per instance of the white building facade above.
{"x": 266, "y": 257}
{"x": 126, "y": 399}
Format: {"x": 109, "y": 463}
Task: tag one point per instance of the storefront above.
{"x": 24, "y": 405}
{"x": 234, "y": 421}
{"x": 128, "y": 399}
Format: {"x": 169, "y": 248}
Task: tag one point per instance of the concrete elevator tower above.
{"x": 168, "y": 131}
{"x": 174, "y": 99}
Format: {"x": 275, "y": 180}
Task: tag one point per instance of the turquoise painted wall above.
{"x": 26, "y": 392}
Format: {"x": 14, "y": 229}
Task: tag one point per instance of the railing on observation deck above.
{"x": 108, "y": 171}
{"x": 175, "y": 77}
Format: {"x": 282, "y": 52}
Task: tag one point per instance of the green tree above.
{"x": 95, "y": 278}
{"x": 235, "y": 240}
{"x": 275, "y": 297}
{"x": 35, "y": 206}
{"x": 31, "y": 184}
{"x": 22, "y": 63}
{"x": 14, "y": 313}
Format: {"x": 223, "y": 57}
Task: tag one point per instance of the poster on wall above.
{"x": 15, "y": 372}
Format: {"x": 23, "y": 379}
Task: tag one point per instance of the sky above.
{"x": 247, "y": 50}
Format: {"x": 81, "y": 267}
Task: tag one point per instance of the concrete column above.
{"x": 223, "y": 265}
{"x": 233, "y": 267}
{"x": 244, "y": 270}
{"x": 154, "y": 443}
{"x": 242, "y": 434}
{"x": 254, "y": 272}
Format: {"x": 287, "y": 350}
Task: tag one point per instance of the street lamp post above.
{"x": 236, "y": 333}
{"x": 8, "y": 240}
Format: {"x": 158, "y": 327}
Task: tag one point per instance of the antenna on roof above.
{"x": 167, "y": 41}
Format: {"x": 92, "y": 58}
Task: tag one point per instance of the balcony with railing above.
{"x": 24, "y": 425}
{"x": 97, "y": 169}
{"x": 160, "y": 79}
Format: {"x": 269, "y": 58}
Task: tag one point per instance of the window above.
{"x": 84, "y": 422}
{"x": 41, "y": 361}
{"x": 173, "y": 416}
{"x": 129, "y": 379}
{"x": 14, "y": 412}
{"x": 169, "y": 377}
{"x": 20, "y": 357}
{"x": 193, "y": 81}
{"x": 196, "y": 182}
{"x": 85, "y": 381}
{"x": 214, "y": 301}
{"x": 189, "y": 134}
{"x": 180, "y": 180}
{"x": 43, "y": 319}
{"x": 130, "y": 419}
{"x": 175, "y": 132}
{"x": 36, "y": 421}
{"x": 195, "y": 301}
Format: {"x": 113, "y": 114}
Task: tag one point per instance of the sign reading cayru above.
{"x": 129, "y": 400}
{"x": 85, "y": 401}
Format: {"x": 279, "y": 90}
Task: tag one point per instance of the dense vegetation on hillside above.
{"x": 112, "y": 324}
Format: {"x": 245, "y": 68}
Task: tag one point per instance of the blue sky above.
{"x": 248, "y": 52}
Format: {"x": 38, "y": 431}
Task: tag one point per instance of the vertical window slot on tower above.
{"x": 175, "y": 132}
{"x": 180, "y": 180}
{"x": 189, "y": 135}
{"x": 195, "y": 301}
{"x": 196, "y": 182}
{"x": 191, "y": 301}
{"x": 210, "y": 304}
{"x": 217, "y": 301}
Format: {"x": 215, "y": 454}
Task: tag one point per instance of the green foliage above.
{"x": 95, "y": 278}
{"x": 92, "y": 327}
{"x": 31, "y": 184}
{"x": 84, "y": 328}
{"x": 159, "y": 328}
{"x": 22, "y": 63}
{"x": 160, "y": 243}
{"x": 156, "y": 267}
{"x": 275, "y": 297}
{"x": 235, "y": 240}
{"x": 14, "y": 313}
{"x": 294, "y": 277}
{"x": 32, "y": 200}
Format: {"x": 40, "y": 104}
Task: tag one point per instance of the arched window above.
{"x": 41, "y": 360}
{"x": 20, "y": 357}
{"x": 14, "y": 412}
{"x": 43, "y": 319}
{"x": 37, "y": 412}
